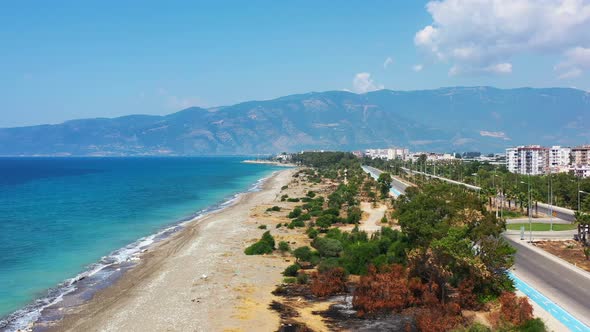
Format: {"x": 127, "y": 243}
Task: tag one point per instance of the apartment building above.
{"x": 389, "y": 154}
{"x": 529, "y": 160}
{"x": 581, "y": 170}
{"x": 559, "y": 159}
{"x": 581, "y": 155}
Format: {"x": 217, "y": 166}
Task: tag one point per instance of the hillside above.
{"x": 446, "y": 119}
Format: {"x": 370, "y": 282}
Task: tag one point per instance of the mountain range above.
{"x": 447, "y": 119}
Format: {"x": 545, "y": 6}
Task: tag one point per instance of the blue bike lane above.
{"x": 553, "y": 309}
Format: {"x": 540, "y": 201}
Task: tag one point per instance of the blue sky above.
{"x": 62, "y": 60}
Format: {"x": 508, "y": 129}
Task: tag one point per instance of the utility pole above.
{"x": 579, "y": 192}
{"x": 550, "y": 194}
{"x": 529, "y": 210}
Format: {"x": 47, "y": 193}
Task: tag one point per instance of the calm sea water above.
{"x": 59, "y": 215}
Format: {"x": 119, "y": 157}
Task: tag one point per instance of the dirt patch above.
{"x": 570, "y": 250}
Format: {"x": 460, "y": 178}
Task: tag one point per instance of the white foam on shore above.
{"x": 22, "y": 319}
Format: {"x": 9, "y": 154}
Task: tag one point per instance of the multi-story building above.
{"x": 389, "y": 154}
{"x": 529, "y": 160}
{"x": 581, "y": 155}
{"x": 581, "y": 170}
{"x": 432, "y": 156}
{"x": 559, "y": 159}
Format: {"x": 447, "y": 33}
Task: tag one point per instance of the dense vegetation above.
{"x": 496, "y": 179}
{"x": 448, "y": 255}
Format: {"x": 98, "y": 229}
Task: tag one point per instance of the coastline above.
{"x": 181, "y": 282}
{"x": 268, "y": 162}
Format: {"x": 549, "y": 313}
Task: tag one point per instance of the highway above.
{"x": 397, "y": 187}
{"x": 559, "y": 282}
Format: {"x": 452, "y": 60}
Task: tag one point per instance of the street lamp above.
{"x": 550, "y": 199}
{"x": 502, "y": 196}
{"x": 580, "y": 192}
{"x": 478, "y": 190}
{"x": 529, "y": 210}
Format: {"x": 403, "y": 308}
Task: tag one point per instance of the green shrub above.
{"x": 295, "y": 213}
{"x": 303, "y": 253}
{"x": 325, "y": 220}
{"x": 332, "y": 211}
{"x": 291, "y": 270}
{"x": 274, "y": 208}
{"x": 328, "y": 264}
{"x": 262, "y": 227}
{"x": 289, "y": 280}
{"x": 315, "y": 213}
{"x": 296, "y": 223}
{"x": 258, "y": 248}
{"x": 267, "y": 238}
{"x": 353, "y": 215}
{"x": 304, "y": 217}
{"x": 284, "y": 197}
{"x": 293, "y": 199}
{"x": 284, "y": 187}
{"x": 284, "y": 246}
{"x": 384, "y": 220}
{"x": 310, "y": 194}
{"x": 475, "y": 327}
{"x": 312, "y": 233}
{"x": 533, "y": 325}
{"x": 327, "y": 247}
{"x": 302, "y": 278}
{"x": 279, "y": 225}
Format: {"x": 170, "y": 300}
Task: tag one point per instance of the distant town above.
{"x": 524, "y": 159}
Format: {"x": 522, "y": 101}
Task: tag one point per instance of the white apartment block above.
{"x": 559, "y": 158}
{"x": 389, "y": 154}
{"x": 432, "y": 156}
{"x": 529, "y": 160}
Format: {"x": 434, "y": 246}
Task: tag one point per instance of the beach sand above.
{"x": 198, "y": 279}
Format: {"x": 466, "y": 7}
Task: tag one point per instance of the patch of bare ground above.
{"x": 570, "y": 251}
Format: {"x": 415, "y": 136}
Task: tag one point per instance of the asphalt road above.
{"x": 559, "y": 214}
{"x": 395, "y": 183}
{"x": 564, "y": 286}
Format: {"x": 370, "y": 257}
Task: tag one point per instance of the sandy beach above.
{"x": 197, "y": 280}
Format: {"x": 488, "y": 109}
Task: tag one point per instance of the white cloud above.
{"x": 494, "y": 134}
{"x": 363, "y": 83}
{"x": 482, "y": 36}
{"x": 576, "y": 60}
{"x": 571, "y": 73}
{"x": 387, "y": 62}
{"x": 417, "y": 68}
{"x": 498, "y": 68}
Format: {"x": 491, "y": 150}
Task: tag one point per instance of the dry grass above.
{"x": 569, "y": 250}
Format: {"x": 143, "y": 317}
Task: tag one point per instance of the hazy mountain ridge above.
{"x": 446, "y": 119}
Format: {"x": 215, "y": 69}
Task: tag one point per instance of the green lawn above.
{"x": 542, "y": 226}
{"x": 513, "y": 214}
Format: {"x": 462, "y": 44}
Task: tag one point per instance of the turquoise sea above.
{"x": 66, "y": 218}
